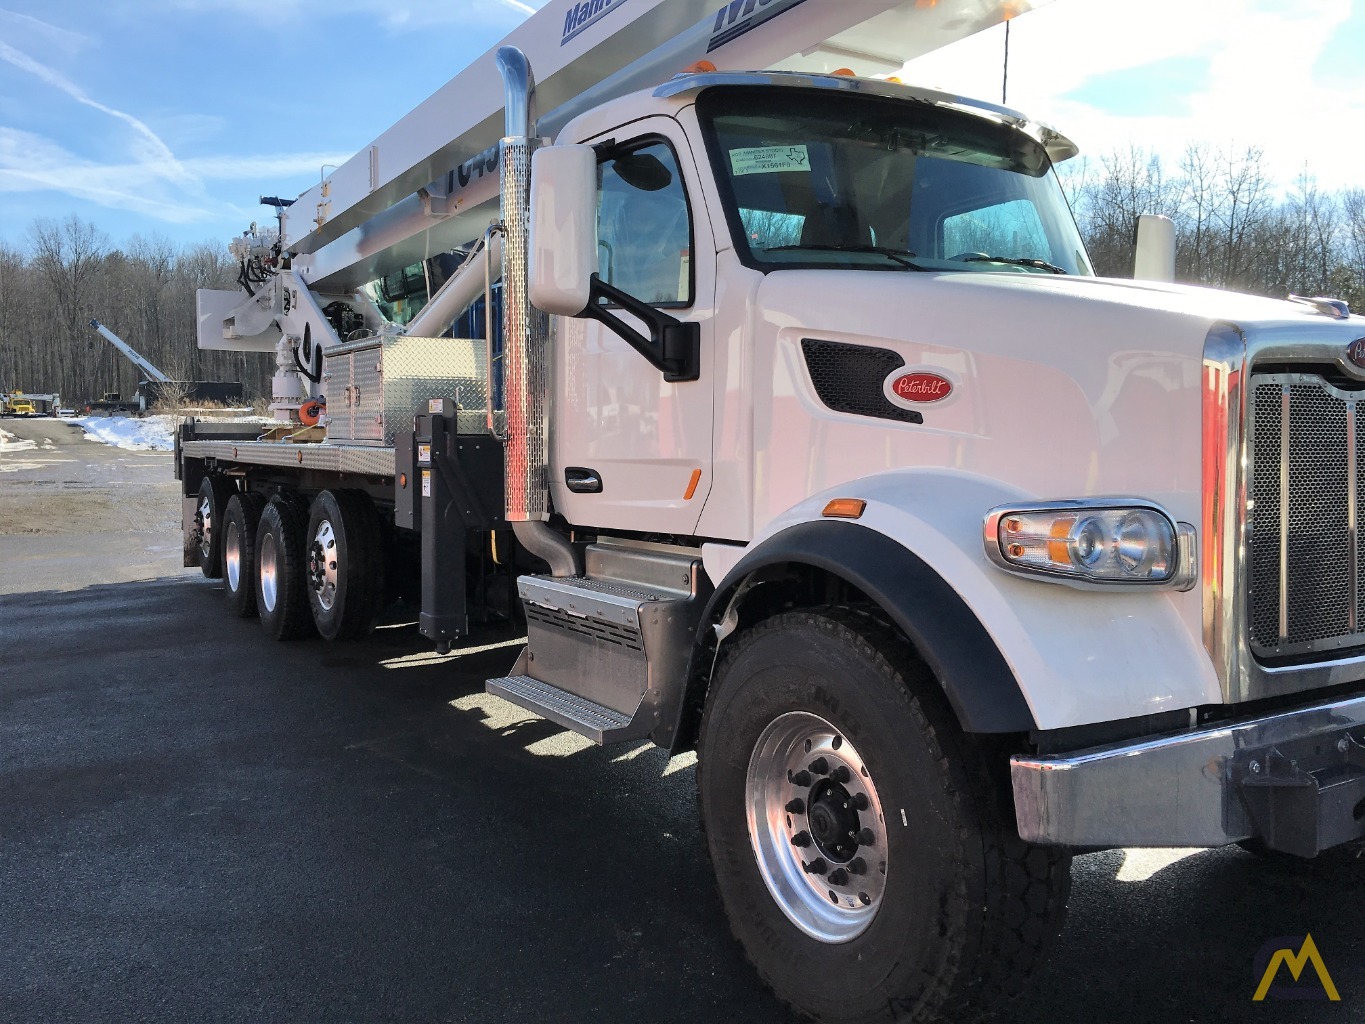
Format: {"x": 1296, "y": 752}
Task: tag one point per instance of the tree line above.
{"x": 1234, "y": 229}
{"x": 67, "y": 272}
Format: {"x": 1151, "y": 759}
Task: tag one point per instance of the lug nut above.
{"x": 861, "y": 802}
{"x": 857, "y": 866}
{"x": 801, "y": 779}
{"x": 816, "y": 867}
{"x": 796, "y": 806}
{"x": 865, "y": 837}
{"x": 838, "y": 877}
{"x": 801, "y": 839}
{"x": 840, "y": 774}
{"x": 819, "y": 766}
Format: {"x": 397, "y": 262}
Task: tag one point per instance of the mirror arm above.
{"x": 673, "y": 345}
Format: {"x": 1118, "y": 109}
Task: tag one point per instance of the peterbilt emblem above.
{"x": 909, "y": 388}
{"x": 1355, "y": 352}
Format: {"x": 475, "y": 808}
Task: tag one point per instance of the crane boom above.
{"x": 437, "y": 165}
{"x": 153, "y": 374}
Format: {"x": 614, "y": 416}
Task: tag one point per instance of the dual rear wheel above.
{"x": 303, "y": 568}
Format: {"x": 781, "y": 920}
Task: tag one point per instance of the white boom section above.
{"x": 153, "y": 374}
{"x": 415, "y": 190}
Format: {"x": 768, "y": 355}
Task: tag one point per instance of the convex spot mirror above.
{"x": 563, "y": 254}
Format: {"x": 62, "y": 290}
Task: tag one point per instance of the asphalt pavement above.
{"x": 197, "y": 824}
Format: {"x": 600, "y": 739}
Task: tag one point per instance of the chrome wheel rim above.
{"x": 268, "y": 571}
{"x": 322, "y": 565}
{"x": 816, "y": 826}
{"x": 232, "y": 556}
{"x": 205, "y": 526}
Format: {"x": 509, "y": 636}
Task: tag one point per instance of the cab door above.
{"x": 629, "y": 450}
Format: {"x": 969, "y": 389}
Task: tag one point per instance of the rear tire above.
{"x": 239, "y": 552}
{"x": 345, "y": 564}
{"x": 898, "y": 888}
{"x": 214, "y": 493}
{"x": 281, "y": 571}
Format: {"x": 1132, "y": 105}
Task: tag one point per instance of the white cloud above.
{"x": 52, "y": 36}
{"x": 29, "y": 162}
{"x": 1260, "y": 87}
{"x": 147, "y": 140}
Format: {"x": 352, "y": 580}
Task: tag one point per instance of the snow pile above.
{"x": 149, "y": 433}
{"x": 9, "y": 443}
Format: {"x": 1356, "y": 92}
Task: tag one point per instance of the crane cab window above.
{"x": 644, "y": 226}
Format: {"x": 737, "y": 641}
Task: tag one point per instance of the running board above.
{"x": 607, "y": 653}
{"x": 597, "y": 722}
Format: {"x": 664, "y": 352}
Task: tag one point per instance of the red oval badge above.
{"x": 1355, "y": 352}
{"x": 919, "y": 387}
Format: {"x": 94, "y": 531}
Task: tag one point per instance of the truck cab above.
{"x": 811, "y": 442}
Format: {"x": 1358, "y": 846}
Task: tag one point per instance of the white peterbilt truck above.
{"x": 786, "y": 410}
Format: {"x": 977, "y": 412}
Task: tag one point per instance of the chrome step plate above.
{"x": 600, "y": 724}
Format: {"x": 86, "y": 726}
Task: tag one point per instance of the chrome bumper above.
{"x": 1295, "y": 779}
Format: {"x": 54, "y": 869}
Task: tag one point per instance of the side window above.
{"x": 1006, "y": 229}
{"x": 644, "y": 227}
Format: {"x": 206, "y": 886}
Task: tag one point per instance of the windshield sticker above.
{"x": 769, "y": 160}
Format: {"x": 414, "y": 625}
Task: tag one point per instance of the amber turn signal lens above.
{"x": 846, "y": 508}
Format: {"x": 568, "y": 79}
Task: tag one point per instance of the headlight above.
{"x": 1092, "y": 543}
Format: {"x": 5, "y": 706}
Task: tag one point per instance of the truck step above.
{"x": 597, "y": 722}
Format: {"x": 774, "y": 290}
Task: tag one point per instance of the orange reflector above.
{"x": 403, "y": 480}
{"x": 844, "y": 73}
{"x": 692, "y": 485}
{"x": 845, "y": 508}
{"x": 895, "y": 81}
{"x": 702, "y": 67}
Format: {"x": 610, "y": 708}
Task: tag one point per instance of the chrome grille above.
{"x": 1303, "y": 557}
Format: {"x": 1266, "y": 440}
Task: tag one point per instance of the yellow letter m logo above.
{"x": 1296, "y": 962}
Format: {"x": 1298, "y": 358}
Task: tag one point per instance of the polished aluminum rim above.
{"x": 322, "y": 565}
{"x": 816, "y": 826}
{"x": 267, "y": 570}
{"x": 205, "y": 526}
{"x": 232, "y": 555}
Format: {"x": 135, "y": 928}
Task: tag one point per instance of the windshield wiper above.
{"x": 1016, "y": 261}
{"x": 898, "y": 255}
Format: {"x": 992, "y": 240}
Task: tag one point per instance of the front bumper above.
{"x": 1294, "y": 779}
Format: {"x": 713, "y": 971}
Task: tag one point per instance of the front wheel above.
{"x": 864, "y": 847}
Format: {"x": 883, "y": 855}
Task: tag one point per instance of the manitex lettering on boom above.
{"x": 581, "y": 16}
{"x": 909, "y": 388}
{"x": 738, "y": 17}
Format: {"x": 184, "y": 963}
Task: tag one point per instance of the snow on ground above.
{"x": 9, "y": 443}
{"x": 148, "y": 433}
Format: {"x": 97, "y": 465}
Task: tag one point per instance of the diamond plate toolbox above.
{"x": 375, "y": 386}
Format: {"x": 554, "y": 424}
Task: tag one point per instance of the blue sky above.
{"x": 170, "y": 117}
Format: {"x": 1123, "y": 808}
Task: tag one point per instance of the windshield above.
{"x": 817, "y": 179}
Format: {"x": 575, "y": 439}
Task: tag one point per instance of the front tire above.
{"x": 864, "y": 847}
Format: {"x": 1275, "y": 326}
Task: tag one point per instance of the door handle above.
{"x": 583, "y": 481}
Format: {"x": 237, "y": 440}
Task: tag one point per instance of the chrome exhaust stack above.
{"x": 526, "y": 378}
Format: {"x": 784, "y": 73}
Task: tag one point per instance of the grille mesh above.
{"x": 1300, "y": 505}
{"x": 848, "y": 378}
